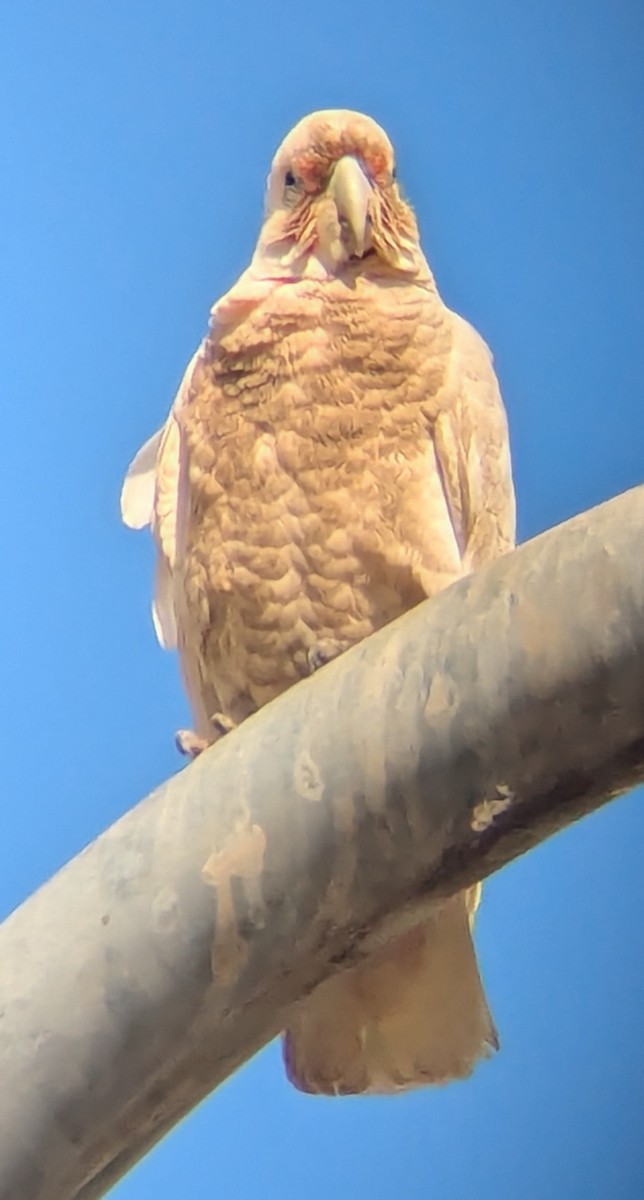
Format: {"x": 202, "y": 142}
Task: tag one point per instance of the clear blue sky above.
{"x": 135, "y": 143}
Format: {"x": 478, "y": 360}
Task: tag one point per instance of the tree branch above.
{"x": 165, "y": 954}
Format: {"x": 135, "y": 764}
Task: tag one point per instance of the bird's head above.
{"x": 333, "y": 201}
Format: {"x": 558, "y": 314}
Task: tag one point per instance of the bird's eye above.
{"x": 394, "y": 174}
{"x": 292, "y": 189}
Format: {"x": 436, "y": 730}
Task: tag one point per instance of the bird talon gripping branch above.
{"x": 221, "y": 724}
{"x": 321, "y": 654}
{"x": 189, "y": 743}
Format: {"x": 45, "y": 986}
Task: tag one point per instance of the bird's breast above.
{"x": 311, "y": 476}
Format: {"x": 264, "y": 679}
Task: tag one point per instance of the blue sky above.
{"x": 135, "y": 143}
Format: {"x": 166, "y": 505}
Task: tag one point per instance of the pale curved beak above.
{"x": 350, "y": 191}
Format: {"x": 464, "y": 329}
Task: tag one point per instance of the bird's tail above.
{"x": 413, "y": 1013}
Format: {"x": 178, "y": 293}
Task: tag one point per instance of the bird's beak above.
{"x": 350, "y": 190}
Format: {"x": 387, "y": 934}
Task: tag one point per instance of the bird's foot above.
{"x": 189, "y": 743}
{"x": 322, "y": 653}
{"x": 222, "y": 724}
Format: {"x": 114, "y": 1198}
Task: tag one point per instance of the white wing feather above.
{"x": 137, "y": 494}
{"x": 151, "y": 495}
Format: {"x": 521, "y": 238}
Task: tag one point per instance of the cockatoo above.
{"x": 336, "y": 453}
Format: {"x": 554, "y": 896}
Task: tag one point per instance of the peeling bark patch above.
{"x": 241, "y": 859}
{"x": 165, "y": 910}
{"x": 486, "y": 811}
{"x": 307, "y": 779}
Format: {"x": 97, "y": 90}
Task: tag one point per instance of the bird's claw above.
{"x": 322, "y": 653}
{"x": 222, "y": 724}
{"x": 189, "y": 743}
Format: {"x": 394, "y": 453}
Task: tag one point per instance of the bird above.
{"x": 337, "y": 452}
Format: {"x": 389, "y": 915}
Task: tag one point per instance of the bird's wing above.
{"x": 153, "y": 493}
{"x": 472, "y": 449}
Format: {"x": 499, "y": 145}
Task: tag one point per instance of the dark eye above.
{"x": 289, "y": 179}
{"x": 394, "y": 173}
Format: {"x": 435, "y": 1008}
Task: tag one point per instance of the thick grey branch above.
{"x": 460, "y": 736}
